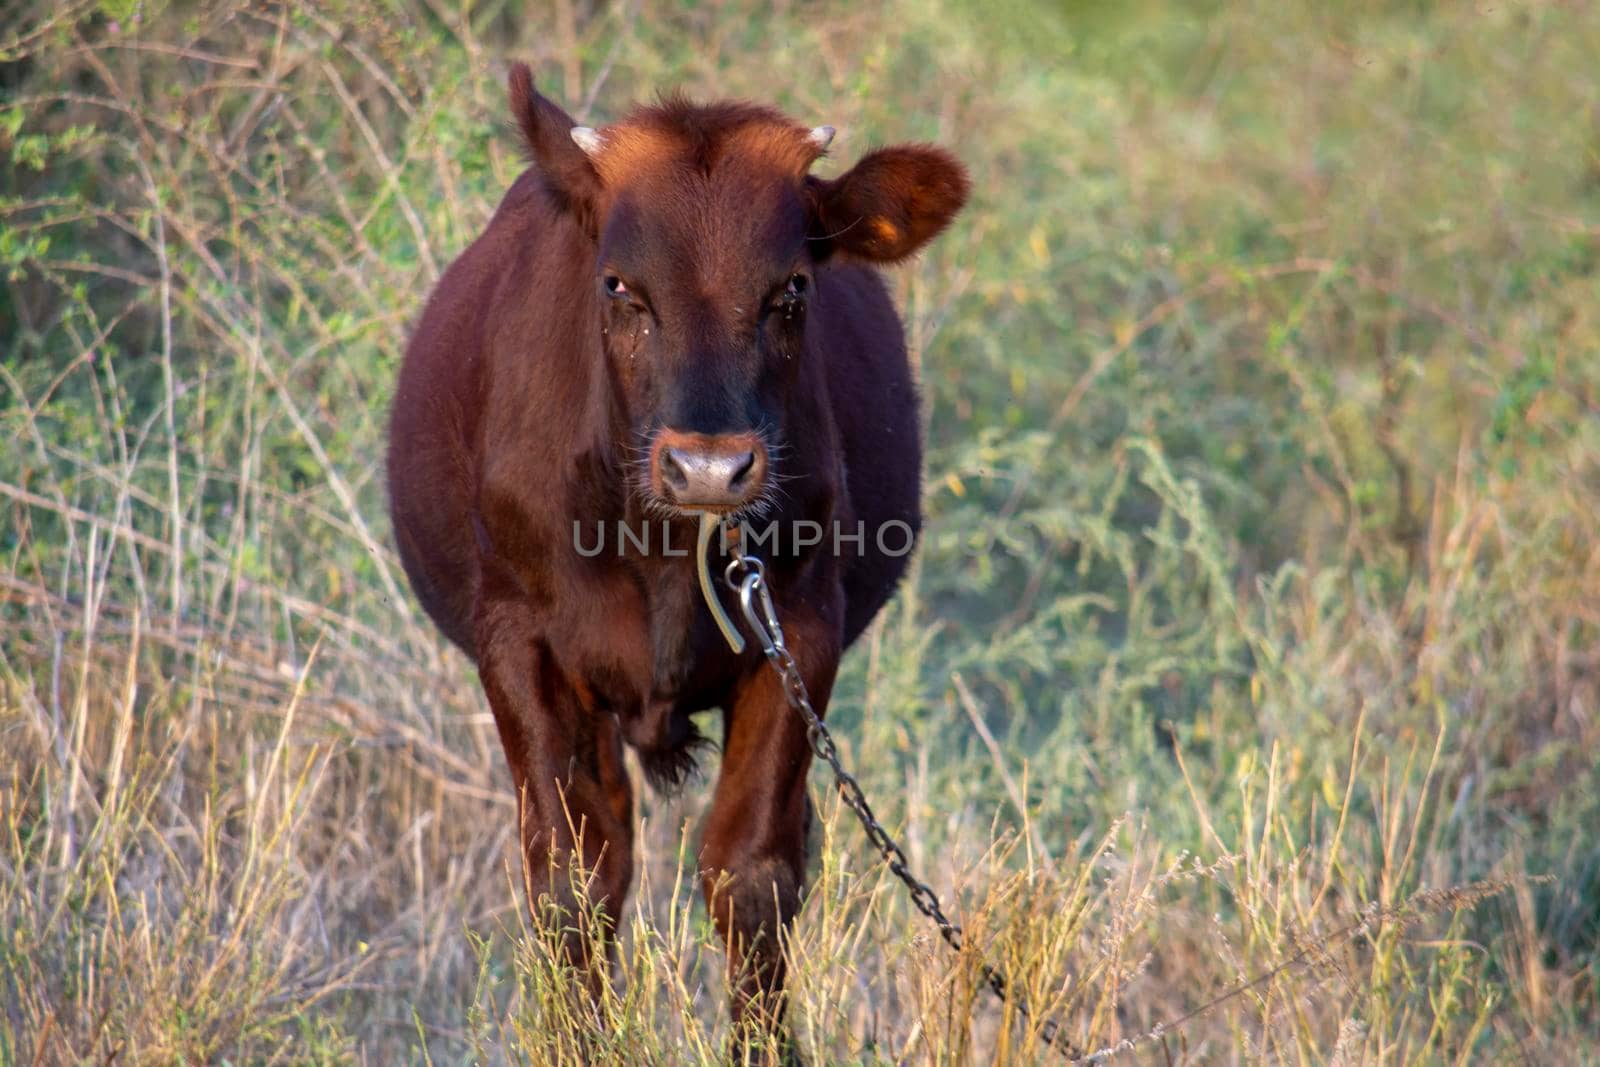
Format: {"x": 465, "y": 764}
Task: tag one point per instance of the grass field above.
{"x": 1244, "y": 702}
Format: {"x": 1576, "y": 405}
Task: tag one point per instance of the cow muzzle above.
{"x": 708, "y": 472}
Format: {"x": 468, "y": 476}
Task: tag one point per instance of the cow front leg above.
{"x": 753, "y": 855}
{"x": 574, "y": 801}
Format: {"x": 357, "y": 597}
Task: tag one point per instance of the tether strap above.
{"x": 709, "y": 525}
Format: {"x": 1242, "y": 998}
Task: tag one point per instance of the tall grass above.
{"x": 1242, "y": 704}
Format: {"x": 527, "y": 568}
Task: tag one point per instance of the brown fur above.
{"x": 645, "y": 295}
{"x": 678, "y": 132}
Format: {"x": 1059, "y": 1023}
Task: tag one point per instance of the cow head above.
{"x": 708, "y": 231}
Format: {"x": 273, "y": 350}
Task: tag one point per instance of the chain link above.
{"x": 746, "y": 575}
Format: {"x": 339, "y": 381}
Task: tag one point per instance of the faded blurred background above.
{"x": 1256, "y": 631}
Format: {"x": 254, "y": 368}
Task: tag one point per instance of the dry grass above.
{"x": 1242, "y": 705}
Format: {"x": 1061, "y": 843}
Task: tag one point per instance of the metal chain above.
{"x": 746, "y": 575}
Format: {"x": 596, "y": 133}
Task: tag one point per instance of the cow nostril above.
{"x": 743, "y": 465}
{"x": 715, "y": 474}
{"x": 674, "y": 468}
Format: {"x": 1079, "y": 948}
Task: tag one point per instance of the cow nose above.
{"x": 704, "y": 474}
{"x": 720, "y": 471}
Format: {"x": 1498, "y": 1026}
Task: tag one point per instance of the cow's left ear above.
{"x": 889, "y": 204}
{"x": 558, "y": 146}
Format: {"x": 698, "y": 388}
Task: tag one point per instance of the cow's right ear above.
{"x": 555, "y": 146}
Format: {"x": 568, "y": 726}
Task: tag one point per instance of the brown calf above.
{"x": 666, "y": 316}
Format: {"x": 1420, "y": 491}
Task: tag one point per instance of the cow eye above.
{"x": 615, "y": 287}
{"x": 796, "y": 287}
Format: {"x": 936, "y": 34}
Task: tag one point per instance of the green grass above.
{"x": 1247, "y": 676}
